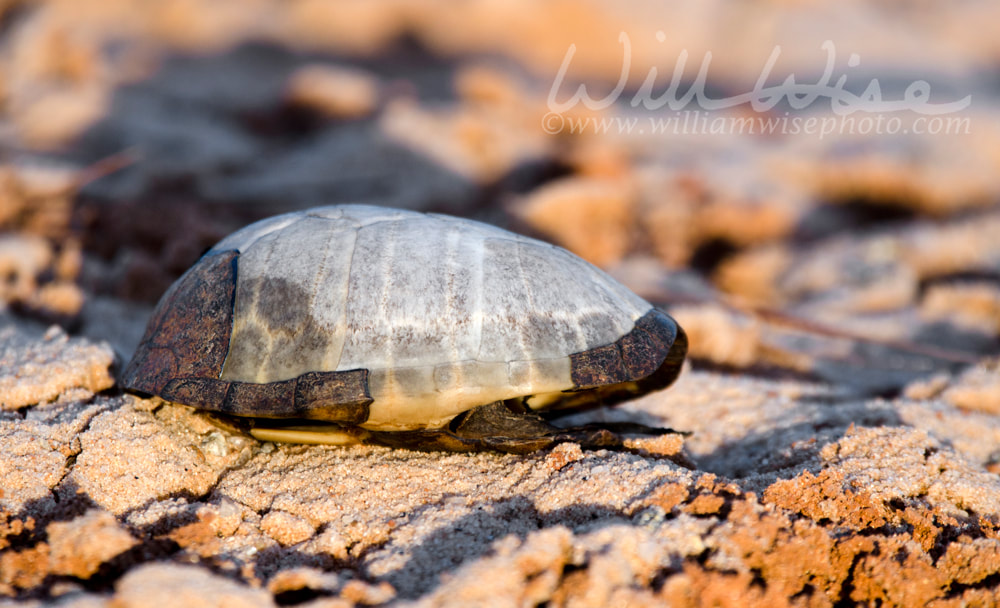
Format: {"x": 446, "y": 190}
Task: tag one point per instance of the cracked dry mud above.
{"x": 799, "y": 496}
{"x": 812, "y": 274}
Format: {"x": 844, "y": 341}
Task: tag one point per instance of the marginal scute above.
{"x": 598, "y": 367}
{"x": 267, "y": 400}
{"x": 333, "y": 396}
{"x": 208, "y": 393}
{"x": 336, "y": 396}
{"x": 641, "y": 352}
{"x": 658, "y": 324}
{"x": 188, "y": 336}
{"x": 634, "y": 356}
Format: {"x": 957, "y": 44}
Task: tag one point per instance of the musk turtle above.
{"x": 357, "y": 323}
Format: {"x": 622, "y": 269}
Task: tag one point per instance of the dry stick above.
{"x": 105, "y": 166}
{"x": 778, "y": 317}
{"x": 92, "y": 172}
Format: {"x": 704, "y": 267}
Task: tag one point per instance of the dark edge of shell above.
{"x": 333, "y": 396}
{"x": 182, "y": 353}
{"x": 655, "y": 342}
{"x": 188, "y": 334}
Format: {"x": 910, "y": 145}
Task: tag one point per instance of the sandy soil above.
{"x": 841, "y": 295}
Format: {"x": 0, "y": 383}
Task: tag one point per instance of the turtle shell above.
{"x": 396, "y": 320}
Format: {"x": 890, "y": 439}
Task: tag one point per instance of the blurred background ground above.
{"x": 841, "y": 291}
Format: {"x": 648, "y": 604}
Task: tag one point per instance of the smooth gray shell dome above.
{"x": 392, "y": 320}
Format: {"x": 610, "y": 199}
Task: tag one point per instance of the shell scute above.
{"x": 598, "y": 367}
{"x": 334, "y": 396}
{"x": 207, "y": 393}
{"x": 190, "y": 331}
